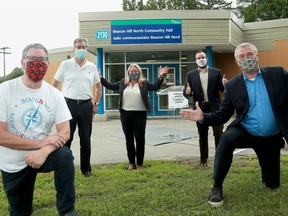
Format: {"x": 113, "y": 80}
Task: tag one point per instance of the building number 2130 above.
{"x": 102, "y": 34}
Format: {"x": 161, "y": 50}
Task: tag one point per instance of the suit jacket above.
{"x": 236, "y": 99}
{"x": 214, "y": 88}
{"x": 144, "y": 89}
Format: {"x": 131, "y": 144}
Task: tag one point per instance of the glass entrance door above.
{"x": 160, "y": 101}
{"x": 148, "y": 74}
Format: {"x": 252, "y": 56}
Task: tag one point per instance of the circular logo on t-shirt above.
{"x": 31, "y": 119}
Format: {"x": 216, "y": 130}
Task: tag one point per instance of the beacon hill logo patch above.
{"x": 31, "y": 119}
{"x": 36, "y": 118}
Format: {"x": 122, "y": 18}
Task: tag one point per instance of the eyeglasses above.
{"x": 35, "y": 58}
{"x": 248, "y": 55}
{"x": 80, "y": 47}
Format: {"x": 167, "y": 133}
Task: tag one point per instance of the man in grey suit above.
{"x": 204, "y": 85}
{"x": 259, "y": 96}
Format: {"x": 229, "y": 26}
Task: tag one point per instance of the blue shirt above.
{"x": 260, "y": 119}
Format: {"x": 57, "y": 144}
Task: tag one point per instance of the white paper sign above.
{"x": 177, "y": 100}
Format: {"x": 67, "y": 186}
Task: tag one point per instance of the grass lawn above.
{"x": 165, "y": 188}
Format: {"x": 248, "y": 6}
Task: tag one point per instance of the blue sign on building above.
{"x": 146, "y": 31}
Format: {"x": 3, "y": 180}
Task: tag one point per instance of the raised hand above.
{"x": 163, "y": 71}
{"x": 193, "y": 115}
{"x": 188, "y": 89}
{"x": 224, "y": 80}
{"x": 99, "y": 73}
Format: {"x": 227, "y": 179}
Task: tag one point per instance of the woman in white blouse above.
{"x": 133, "y": 107}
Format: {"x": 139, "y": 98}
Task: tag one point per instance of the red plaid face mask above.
{"x": 36, "y": 70}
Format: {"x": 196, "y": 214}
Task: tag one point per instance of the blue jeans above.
{"x": 19, "y": 187}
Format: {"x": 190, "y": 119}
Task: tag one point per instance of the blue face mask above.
{"x": 133, "y": 76}
{"x": 81, "y": 53}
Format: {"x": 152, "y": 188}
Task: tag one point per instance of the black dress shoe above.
{"x": 87, "y": 173}
{"x": 73, "y": 213}
{"x": 202, "y": 164}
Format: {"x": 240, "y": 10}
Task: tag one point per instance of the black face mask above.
{"x": 134, "y": 76}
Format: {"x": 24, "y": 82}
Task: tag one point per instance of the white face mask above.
{"x": 248, "y": 64}
{"x": 201, "y": 62}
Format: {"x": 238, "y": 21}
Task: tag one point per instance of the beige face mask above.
{"x": 248, "y": 64}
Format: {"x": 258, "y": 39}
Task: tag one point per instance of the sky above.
{"x": 53, "y": 23}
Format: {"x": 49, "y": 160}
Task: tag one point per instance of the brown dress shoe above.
{"x": 139, "y": 167}
{"x": 132, "y": 167}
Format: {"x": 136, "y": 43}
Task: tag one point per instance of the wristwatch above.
{"x": 97, "y": 104}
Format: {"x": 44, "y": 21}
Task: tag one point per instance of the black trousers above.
{"x": 134, "y": 125}
{"x": 19, "y": 186}
{"x": 267, "y": 150}
{"x": 82, "y": 115}
{"x": 203, "y": 136}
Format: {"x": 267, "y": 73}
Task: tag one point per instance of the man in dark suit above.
{"x": 259, "y": 96}
{"x": 204, "y": 85}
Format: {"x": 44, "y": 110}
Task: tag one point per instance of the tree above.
{"x": 155, "y": 5}
{"x": 215, "y": 4}
{"x": 272, "y": 9}
{"x": 14, "y": 74}
{"x": 140, "y": 5}
{"x": 128, "y": 5}
{"x": 248, "y": 10}
{"x": 259, "y": 10}
{"x": 182, "y": 5}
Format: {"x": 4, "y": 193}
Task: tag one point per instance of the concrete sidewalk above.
{"x": 106, "y": 148}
